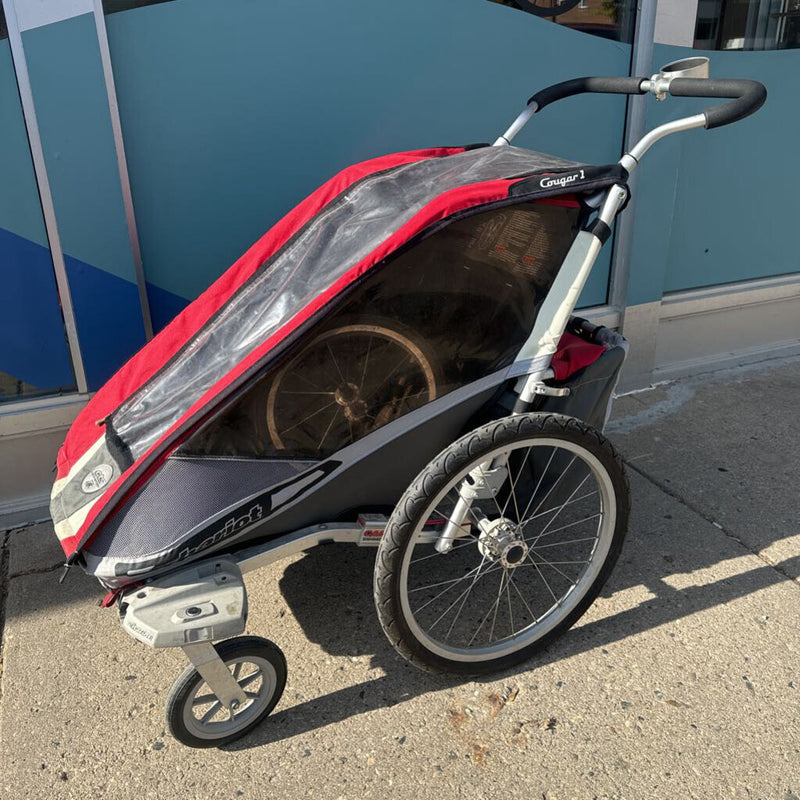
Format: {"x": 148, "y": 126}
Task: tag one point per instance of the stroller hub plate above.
{"x": 202, "y": 603}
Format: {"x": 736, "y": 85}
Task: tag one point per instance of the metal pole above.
{"x": 122, "y": 166}
{"x": 641, "y": 64}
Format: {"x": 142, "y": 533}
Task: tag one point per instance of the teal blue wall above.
{"x": 233, "y": 111}
{"x": 720, "y": 206}
{"x": 33, "y": 347}
{"x": 77, "y": 141}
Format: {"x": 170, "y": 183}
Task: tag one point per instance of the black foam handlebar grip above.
{"x": 585, "y": 85}
{"x": 748, "y": 97}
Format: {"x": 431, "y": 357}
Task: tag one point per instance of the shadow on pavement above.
{"x": 330, "y": 594}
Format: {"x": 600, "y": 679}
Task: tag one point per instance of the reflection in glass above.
{"x": 611, "y": 19}
{"x": 747, "y": 25}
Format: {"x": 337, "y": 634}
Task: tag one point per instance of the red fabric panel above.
{"x": 564, "y": 200}
{"x": 142, "y": 366}
{"x": 573, "y": 354}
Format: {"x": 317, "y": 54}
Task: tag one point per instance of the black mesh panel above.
{"x": 448, "y": 311}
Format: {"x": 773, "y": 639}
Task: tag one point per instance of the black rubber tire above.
{"x": 184, "y": 688}
{"x": 433, "y": 479}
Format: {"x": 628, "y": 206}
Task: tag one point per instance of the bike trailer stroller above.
{"x": 394, "y": 363}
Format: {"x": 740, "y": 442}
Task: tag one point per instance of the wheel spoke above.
{"x": 551, "y": 564}
{"x": 483, "y": 621}
{"x": 203, "y": 699}
{"x": 497, "y": 604}
{"x": 568, "y": 525}
{"x": 538, "y": 484}
{"x": 434, "y": 585}
{"x": 513, "y": 493}
{"x": 516, "y": 589}
{"x": 555, "y": 508}
{"x": 211, "y": 712}
{"x": 328, "y": 394}
{"x": 488, "y": 488}
{"x": 558, "y": 480}
{"x": 366, "y": 361}
{"x": 310, "y": 416}
{"x": 508, "y": 598}
{"x": 237, "y": 668}
{"x": 445, "y": 591}
{"x": 549, "y": 588}
{"x": 248, "y": 679}
{"x": 570, "y": 541}
{"x": 561, "y": 508}
{"x": 336, "y": 363}
{"x": 464, "y": 601}
{"x": 472, "y": 541}
{"x": 406, "y": 358}
{"x": 465, "y": 592}
{"x": 328, "y": 429}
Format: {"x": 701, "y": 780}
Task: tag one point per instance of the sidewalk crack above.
{"x": 36, "y": 571}
{"x": 669, "y": 491}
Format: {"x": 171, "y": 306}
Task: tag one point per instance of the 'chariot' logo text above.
{"x": 561, "y": 180}
{"x": 231, "y": 526}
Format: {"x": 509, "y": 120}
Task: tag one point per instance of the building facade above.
{"x": 145, "y": 145}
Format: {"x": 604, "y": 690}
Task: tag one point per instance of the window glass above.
{"x": 747, "y": 25}
{"x": 611, "y": 19}
{"x": 34, "y": 356}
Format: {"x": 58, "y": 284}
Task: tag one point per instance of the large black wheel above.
{"x": 195, "y": 715}
{"x": 548, "y": 504}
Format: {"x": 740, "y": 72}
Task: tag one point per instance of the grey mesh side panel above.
{"x": 339, "y": 237}
{"x": 197, "y": 489}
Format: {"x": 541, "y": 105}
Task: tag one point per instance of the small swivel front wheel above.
{"x": 195, "y": 715}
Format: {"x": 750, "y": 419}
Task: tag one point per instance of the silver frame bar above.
{"x": 517, "y": 125}
{"x": 632, "y": 158}
{"x": 562, "y": 298}
{"x": 46, "y": 197}
{"x": 122, "y": 166}
{"x": 261, "y": 555}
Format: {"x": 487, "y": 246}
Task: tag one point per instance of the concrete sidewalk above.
{"x": 682, "y": 681}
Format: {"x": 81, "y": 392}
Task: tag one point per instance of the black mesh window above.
{"x": 450, "y": 310}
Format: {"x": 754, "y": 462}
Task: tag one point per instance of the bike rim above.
{"x": 204, "y": 715}
{"x": 322, "y": 394}
{"x": 522, "y": 603}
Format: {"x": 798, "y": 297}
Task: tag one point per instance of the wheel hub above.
{"x": 499, "y": 541}
{"x": 349, "y": 397}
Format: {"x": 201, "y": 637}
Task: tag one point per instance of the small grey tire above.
{"x": 195, "y": 716}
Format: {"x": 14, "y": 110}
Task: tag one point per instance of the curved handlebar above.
{"x": 746, "y": 96}
{"x": 559, "y": 91}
